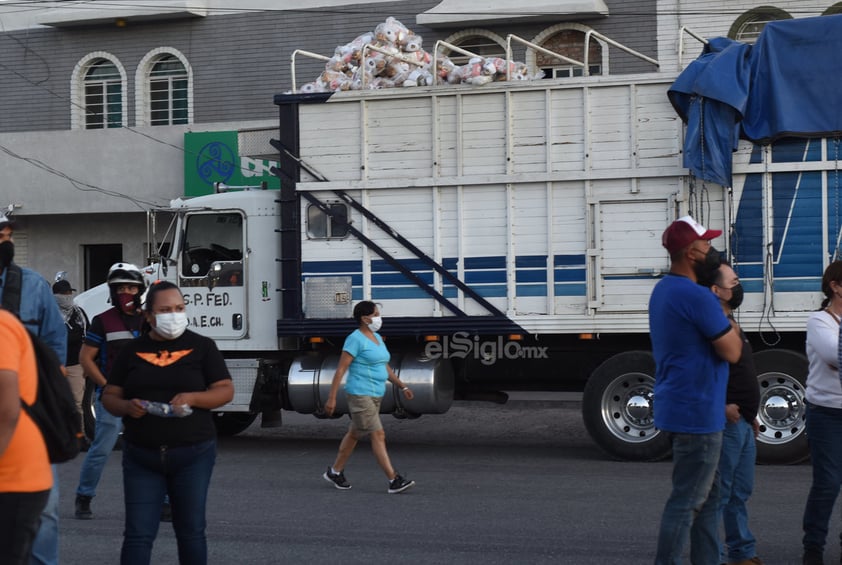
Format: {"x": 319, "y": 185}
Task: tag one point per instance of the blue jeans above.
{"x": 736, "y": 481}
{"x": 148, "y": 474}
{"x": 45, "y": 546}
{"x": 692, "y": 510}
{"x": 824, "y": 428}
{"x": 106, "y": 432}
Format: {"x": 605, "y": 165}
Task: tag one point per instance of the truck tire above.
{"x": 232, "y": 423}
{"x": 617, "y": 408}
{"x": 782, "y": 377}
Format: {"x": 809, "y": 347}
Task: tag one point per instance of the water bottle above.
{"x": 166, "y": 410}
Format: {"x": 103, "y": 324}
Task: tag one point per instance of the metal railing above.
{"x": 371, "y": 47}
{"x": 306, "y": 54}
{"x": 596, "y": 34}
{"x": 538, "y": 48}
{"x": 436, "y": 49}
{"x": 691, "y": 33}
{"x": 509, "y": 59}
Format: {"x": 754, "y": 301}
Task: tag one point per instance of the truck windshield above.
{"x": 211, "y": 238}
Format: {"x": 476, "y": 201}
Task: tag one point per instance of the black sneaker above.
{"x": 338, "y": 479}
{"x": 399, "y": 484}
{"x": 83, "y": 508}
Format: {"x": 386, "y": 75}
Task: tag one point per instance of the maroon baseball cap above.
{"x": 684, "y": 231}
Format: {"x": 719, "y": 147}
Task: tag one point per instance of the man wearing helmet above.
{"x": 106, "y": 336}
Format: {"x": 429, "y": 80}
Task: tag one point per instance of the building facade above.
{"x": 107, "y": 111}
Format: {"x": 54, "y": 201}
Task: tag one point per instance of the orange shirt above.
{"x": 24, "y": 465}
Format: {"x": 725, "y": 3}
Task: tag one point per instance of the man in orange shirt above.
{"x": 25, "y": 474}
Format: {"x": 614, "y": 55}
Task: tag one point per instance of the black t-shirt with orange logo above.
{"x": 158, "y": 370}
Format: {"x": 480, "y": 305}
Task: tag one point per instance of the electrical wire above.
{"x": 78, "y": 184}
{"x": 67, "y": 99}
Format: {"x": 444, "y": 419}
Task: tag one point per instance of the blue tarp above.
{"x": 789, "y": 84}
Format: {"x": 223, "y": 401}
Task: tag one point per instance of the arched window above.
{"x": 167, "y": 92}
{"x": 165, "y": 89}
{"x": 568, "y": 40}
{"x": 103, "y": 95}
{"x": 570, "y": 43}
{"x": 97, "y": 93}
{"x": 480, "y": 41}
{"x": 747, "y": 27}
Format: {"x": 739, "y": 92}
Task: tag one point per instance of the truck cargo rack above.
{"x": 447, "y": 275}
{"x": 509, "y": 55}
{"x": 412, "y": 326}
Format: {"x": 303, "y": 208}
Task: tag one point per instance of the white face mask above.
{"x": 376, "y": 322}
{"x": 170, "y": 325}
{"x": 65, "y": 301}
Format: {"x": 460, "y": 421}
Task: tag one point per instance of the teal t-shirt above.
{"x": 367, "y": 374}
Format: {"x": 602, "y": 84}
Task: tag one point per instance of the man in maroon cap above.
{"x": 692, "y": 342}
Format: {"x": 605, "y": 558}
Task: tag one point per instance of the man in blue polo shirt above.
{"x": 692, "y": 342}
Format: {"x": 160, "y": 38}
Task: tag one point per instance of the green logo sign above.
{"x": 214, "y": 156}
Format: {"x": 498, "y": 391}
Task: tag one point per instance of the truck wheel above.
{"x": 232, "y": 423}
{"x": 617, "y": 408}
{"x": 782, "y": 377}
{"x": 88, "y": 413}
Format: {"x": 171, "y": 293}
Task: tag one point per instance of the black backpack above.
{"x": 54, "y": 410}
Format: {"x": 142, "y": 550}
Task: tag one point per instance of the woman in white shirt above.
{"x": 824, "y": 414}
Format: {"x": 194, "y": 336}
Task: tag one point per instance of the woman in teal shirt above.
{"x": 366, "y": 360}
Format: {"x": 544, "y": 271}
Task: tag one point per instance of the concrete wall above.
{"x": 56, "y": 242}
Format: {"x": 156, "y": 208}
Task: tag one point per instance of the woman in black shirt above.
{"x": 186, "y": 373}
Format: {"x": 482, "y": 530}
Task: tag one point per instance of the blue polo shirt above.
{"x": 690, "y": 378}
{"x": 367, "y": 374}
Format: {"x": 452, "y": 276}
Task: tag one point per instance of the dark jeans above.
{"x": 736, "y": 480}
{"x": 692, "y": 510}
{"x": 149, "y": 474}
{"x": 824, "y": 430}
{"x": 20, "y": 514}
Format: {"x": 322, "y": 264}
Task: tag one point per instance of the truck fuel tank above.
{"x": 431, "y": 381}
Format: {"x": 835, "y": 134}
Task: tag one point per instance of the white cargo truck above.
{"x": 512, "y": 235}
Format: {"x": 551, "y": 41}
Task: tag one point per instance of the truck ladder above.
{"x": 429, "y": 261}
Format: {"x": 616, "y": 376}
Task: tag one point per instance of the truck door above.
{"x": 211, "y": 273}
{"x": 626, "y": 257}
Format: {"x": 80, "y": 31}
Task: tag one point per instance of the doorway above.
{"x": 98, "y": 259}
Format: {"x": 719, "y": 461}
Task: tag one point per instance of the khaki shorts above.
{"x": 365, "y": 414}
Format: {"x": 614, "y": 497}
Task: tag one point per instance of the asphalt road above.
{"x": 520, "y": 483}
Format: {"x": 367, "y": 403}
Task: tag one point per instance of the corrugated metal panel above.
{"x": 610, "y": 127}
{"x": 399, "y": 138}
